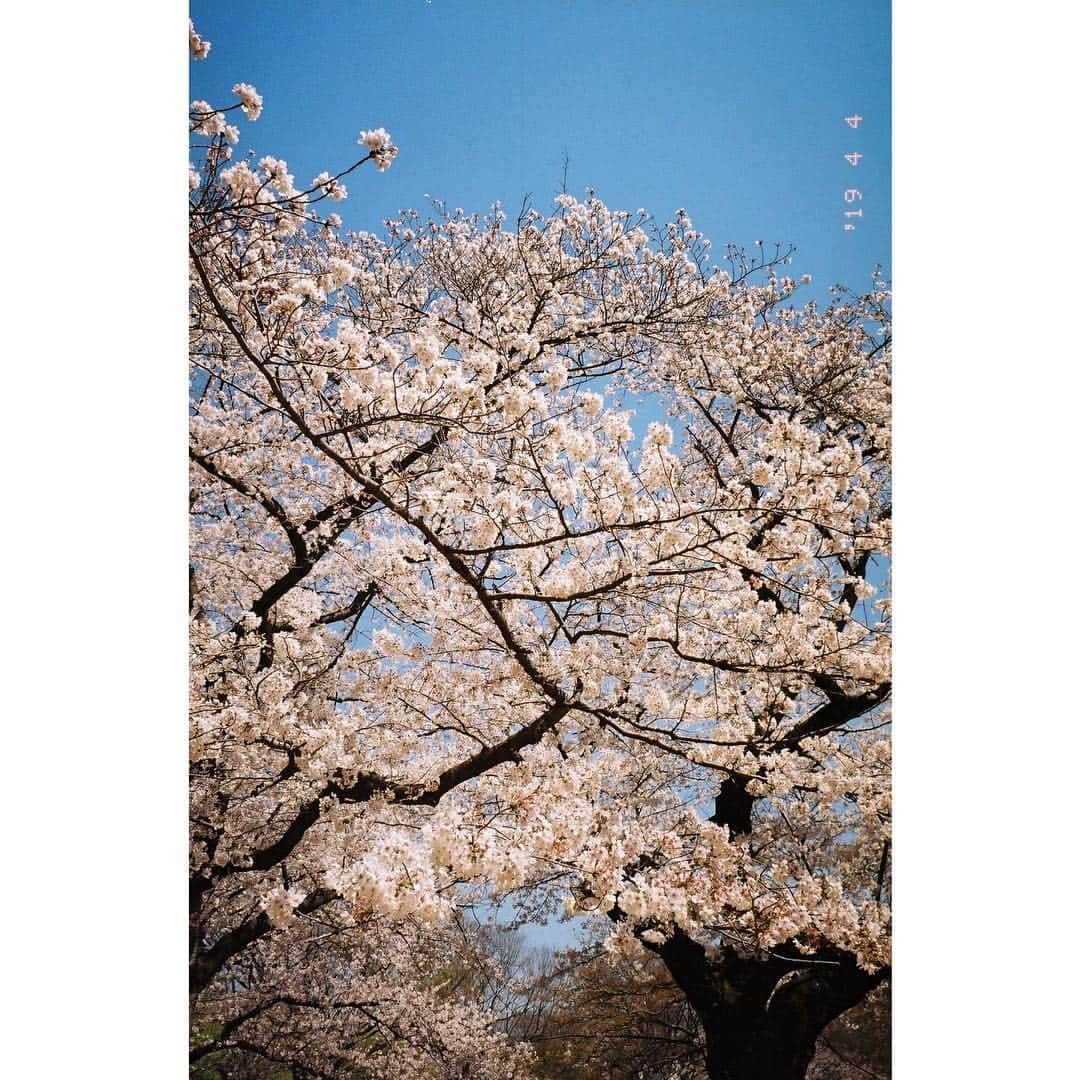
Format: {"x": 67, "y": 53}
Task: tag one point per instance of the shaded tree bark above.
{"x": 763, "y": 1015}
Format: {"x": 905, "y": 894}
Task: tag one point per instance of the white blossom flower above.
{"x": 280, "y": 904}
{"x": 659, "y": 435}
{"x": 383, "y": 151}
{"x": 207, "y": 119}
{"x": 591, "y": 403}
{"x": 328, "y": 185}
{"x": 199, "y": 46}
{"x": 251, "y": 100}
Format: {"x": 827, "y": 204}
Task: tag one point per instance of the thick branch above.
{"x": 208, "y": 962}
{"x": 840, "y": 709}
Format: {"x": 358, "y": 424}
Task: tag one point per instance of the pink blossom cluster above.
{"x": 200, "y": 48}
{"x": 380, "y": 144}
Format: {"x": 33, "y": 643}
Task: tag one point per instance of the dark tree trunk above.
{"x": 762, "y": 1015}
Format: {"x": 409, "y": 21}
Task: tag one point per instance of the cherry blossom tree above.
{"x": 462, "y": 627}
{"x": 343, "y": 995}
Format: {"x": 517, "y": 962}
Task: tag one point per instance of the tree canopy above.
{"x": 462, "y": 626}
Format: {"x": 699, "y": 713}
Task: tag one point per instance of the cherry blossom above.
{"x": 199, "y": 47}
{"x": 464, "y": 625}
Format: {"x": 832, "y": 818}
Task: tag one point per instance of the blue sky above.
{"x": 733, "y": 111}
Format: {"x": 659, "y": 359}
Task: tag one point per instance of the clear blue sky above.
{"x": 731, "y": 110}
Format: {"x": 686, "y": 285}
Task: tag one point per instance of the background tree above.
{"x": 593, "y": 1016}
{"x": 590, "y": 1016}
{"x": 859, "y": 1043}
{"x": 342, "y": 996}
{"x": 456, "y": 631}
